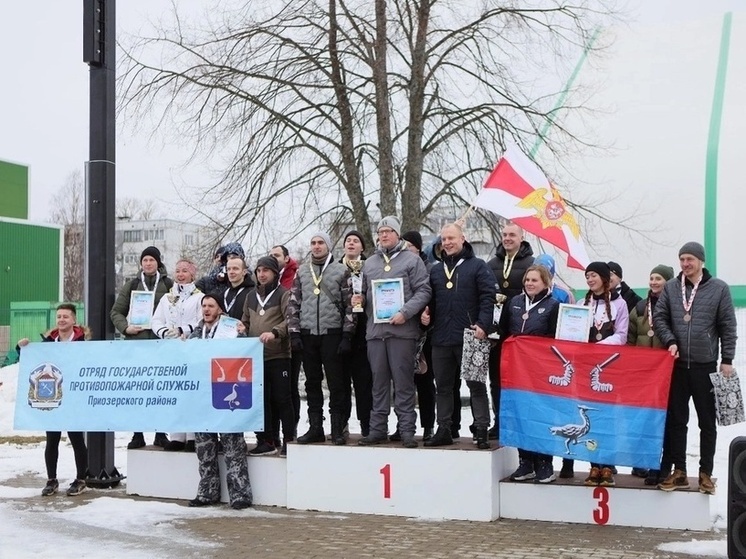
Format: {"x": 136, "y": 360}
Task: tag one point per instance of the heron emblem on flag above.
{"x": 232, "y": 383}
{"x": 551, "y": 213}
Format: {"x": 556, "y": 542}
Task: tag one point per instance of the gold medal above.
{"x": 316, "y": 291}
{"x": 687, "y": 317}
{"x": 261, "y": 312}
{"x": 387, "y": 268}
{"x": 599, "y": 336}
{"x": 651, "y": 333}
{"x": 449, "y": 285}
{"x": 506, "y": 283}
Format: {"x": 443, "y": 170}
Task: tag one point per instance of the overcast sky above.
{"x": 44, "y": 93}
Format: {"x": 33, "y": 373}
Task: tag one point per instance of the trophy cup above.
{"x": 356, "y": 267}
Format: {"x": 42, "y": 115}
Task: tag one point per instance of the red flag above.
{"x": 517, "y": 190}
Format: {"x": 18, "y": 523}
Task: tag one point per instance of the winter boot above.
{"x": 442, "y": 437}
{"x": 338, "y": 423}
{"x": 315, "y": 433}
{"x": 138, "y": 441}
{"x": 365, "y": 427}
{"x": 481, "y": 435}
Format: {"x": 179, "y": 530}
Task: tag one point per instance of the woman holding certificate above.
{"x": 532, "y": 313}
{"x": 610, "y": 326}
{"x": 132, "y": 312}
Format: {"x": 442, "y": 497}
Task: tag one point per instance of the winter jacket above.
{"x": 630, "y": 297}
{"x": 639, "y": 325}
{"x": 562, "y": 295}
{"x": 470, "y": 300}
{"x": 121, "y": 307}
{"x": 713, "y": 319}
{"x": 233, "y": 298}
{"x": 613, "y": 329}
{"x": 287, "y": 274}
{"x": 541, "y": 321}
{"x": 328, "y": 312}
{"x": 175, "y": 311}
{"x": 521, "y": 262}
{"x": 417, "y": 293}
{"x": 274, "y": 320}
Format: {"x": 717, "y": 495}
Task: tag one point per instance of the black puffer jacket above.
{"x": 541, "y": 321}
{"x": 713, "y": 320}
{"x": 469, "y": 301}
{"x": 521, "y": 262}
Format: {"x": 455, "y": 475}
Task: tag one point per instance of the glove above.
{"x": 345, "y": 346}
{"x": 171, "y": 334}
{"x": 296, "y": 343}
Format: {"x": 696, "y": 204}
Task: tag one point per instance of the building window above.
{"x": 133, "y": 236}
{"x": 130, "y": 258}
{"x": 189, "y": 240}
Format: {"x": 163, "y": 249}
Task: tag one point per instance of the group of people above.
{"x": 396, "y": 319}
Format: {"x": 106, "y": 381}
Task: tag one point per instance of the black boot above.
{"x": 138, "y": 441}
{"x": 482, "y": 442}
{"x": 315, "y": 433}
{"x": 161, "y": 440}
{"x": 365, "y": 428}
{"x": 427, "y": 433}
{"x": 442, "y": 437}
{"x": 338, "y": 424}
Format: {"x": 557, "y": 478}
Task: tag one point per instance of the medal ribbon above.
{"x": 145, "y": 285}
{"x": 229, "y": 306}
{"x": 596, "y": 323}
{"x": 650, "y": 313}
{"x": 449, "y": 273}
{"x": 387, "y": 259}
{"x": 261, "y": 301}
{"x": 211, "y": 332}
{"x": 317, "y": 280}
{"x": 688, "y": 302}
{"x": 507, "y": 266}
{"x": 530, "y": 305}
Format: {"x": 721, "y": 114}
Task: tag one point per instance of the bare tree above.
{"x": 347, "y": 108}
{"x": 136, "y": 208}
{"x": 67, "y": 208}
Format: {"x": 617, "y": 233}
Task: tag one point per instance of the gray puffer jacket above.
{"x": 713, "y": 319}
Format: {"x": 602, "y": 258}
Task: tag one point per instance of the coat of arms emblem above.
{"x": 45, "y": 387}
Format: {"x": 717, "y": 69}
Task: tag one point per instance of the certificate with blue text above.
{"x": 388, "y": 299}
{"x": 213, "y": 386}
{"x": 141, "y": 308}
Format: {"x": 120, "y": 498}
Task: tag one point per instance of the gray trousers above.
{"x": 391, "y": 359}
{"x": 447, "y": 368}
{"x": 236, "y": 468}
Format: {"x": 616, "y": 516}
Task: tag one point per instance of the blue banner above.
{"x": 212, "y": 385}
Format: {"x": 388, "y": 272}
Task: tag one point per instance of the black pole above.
{"x": 99, "y": 53}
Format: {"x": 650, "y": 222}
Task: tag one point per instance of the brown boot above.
{"x": 677, "y": 480}
{"x": 706, "y": 485}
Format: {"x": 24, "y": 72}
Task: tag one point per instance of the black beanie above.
{"x": 356, "y": 234}
{"x": 217, "y": 298}
{"x": 601, "y": 268}
{"x": 414, "y": 238}
{"x": 616, "y": 268}
{"x": 268, "y": 262}
{"x": 154, "y": 252}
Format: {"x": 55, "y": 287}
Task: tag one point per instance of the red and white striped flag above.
{"x": 517, "y": 190}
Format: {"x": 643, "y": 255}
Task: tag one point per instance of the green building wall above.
{"x": 13, "y": 190}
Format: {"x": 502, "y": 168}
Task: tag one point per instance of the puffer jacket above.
{"x": 521, "y": 262}
{"x": 541, "y": 321}
{"x": 639, "y": 325}
{"x": 713, "y": 320}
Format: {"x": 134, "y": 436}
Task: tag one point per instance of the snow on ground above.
{"x": 30, "y": 526}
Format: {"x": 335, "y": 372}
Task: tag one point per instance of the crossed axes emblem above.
{"x": 569, "y": 371}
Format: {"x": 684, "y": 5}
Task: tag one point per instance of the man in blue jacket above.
{"x": 463, "y": 289}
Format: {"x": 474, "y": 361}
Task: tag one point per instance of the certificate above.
{"x": 226, "y": 328}
{"x": 574, "y": 323}
{"x": 141, "y": 309}
{"x": 388, "y": 299}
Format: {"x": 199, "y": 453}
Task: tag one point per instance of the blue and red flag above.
{"x": 593, "y": 402}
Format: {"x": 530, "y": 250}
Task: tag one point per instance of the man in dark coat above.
{"x": 618, "y": 284}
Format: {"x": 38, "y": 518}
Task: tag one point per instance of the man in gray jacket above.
{"x": 392, "y": 342}
{"x": 694, "y": 314}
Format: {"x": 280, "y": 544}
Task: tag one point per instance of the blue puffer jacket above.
{"x": 541, "y": 321}
{"x": 469, "y": 301}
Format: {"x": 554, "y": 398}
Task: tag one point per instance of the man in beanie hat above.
{"x": 264, "y": 316}
{"x": 618, "y": 284}
{"x": 322, "y": 324}
{"x": 693, "y": 316}
{"x": 392, "y": 342}
{"x": 153, "y": 278}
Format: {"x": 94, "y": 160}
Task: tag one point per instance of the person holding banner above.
{"x": 610, "y": 327}
{"x": 264, "y": 317}
{"x": 176, "y": 316}
{"x": 234, "y": 444}
{"x": 463, "y": 288}
{"x": 133, "y": 321}
{"x": 395, "y": 290}
{"x": 66, "y": 331}
{"x": 532, "y": 313}
{"x": 642, "y": 334}
{"x": 693, "y": 316}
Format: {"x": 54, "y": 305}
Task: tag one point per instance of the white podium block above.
{"x": 152, "y": 472}
{"x": 629, "y": 503}
{"x": 456, "y": 482}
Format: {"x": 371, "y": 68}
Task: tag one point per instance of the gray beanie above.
{"x": 324, "y": 237}
{"x": 666, "y": 272}
{"x": 391, "y": 222}
{"x": 693, "y": 248}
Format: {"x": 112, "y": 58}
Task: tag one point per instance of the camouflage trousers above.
{"x": 236, "y": 468}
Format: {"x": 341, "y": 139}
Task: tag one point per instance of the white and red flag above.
{"x": 519, "y": 191}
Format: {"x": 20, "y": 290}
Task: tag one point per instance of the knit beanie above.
{"x": 324, "y": 237}
{"x": 154, "y": 252}
{"x": 547, "y": 261}
{"x": 357, "y": 234}
{"x": 391, "y": 222}
{"x": 665, "y": 271}
{"x": 616, "y": 268}
{"x": 414, "y": 238}
{"x": 601, "y": 268}
{"x": 268, "y": 262}
{"x": 693, "y": 248}
{"x": 217, "y": 298}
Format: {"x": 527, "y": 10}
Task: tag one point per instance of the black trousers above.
{"x": 356, "y": 373}
{"x": 425, "y": 384}
{"x": 691, "y": 383}
{"x": 52, "y": 453}
{"x": 278, "y": 403}
{"x": 495, "y": 383}
{"x": 320, "y": 357}
{"x": 296, "y": 360}
{"x": 534, "y": 457}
